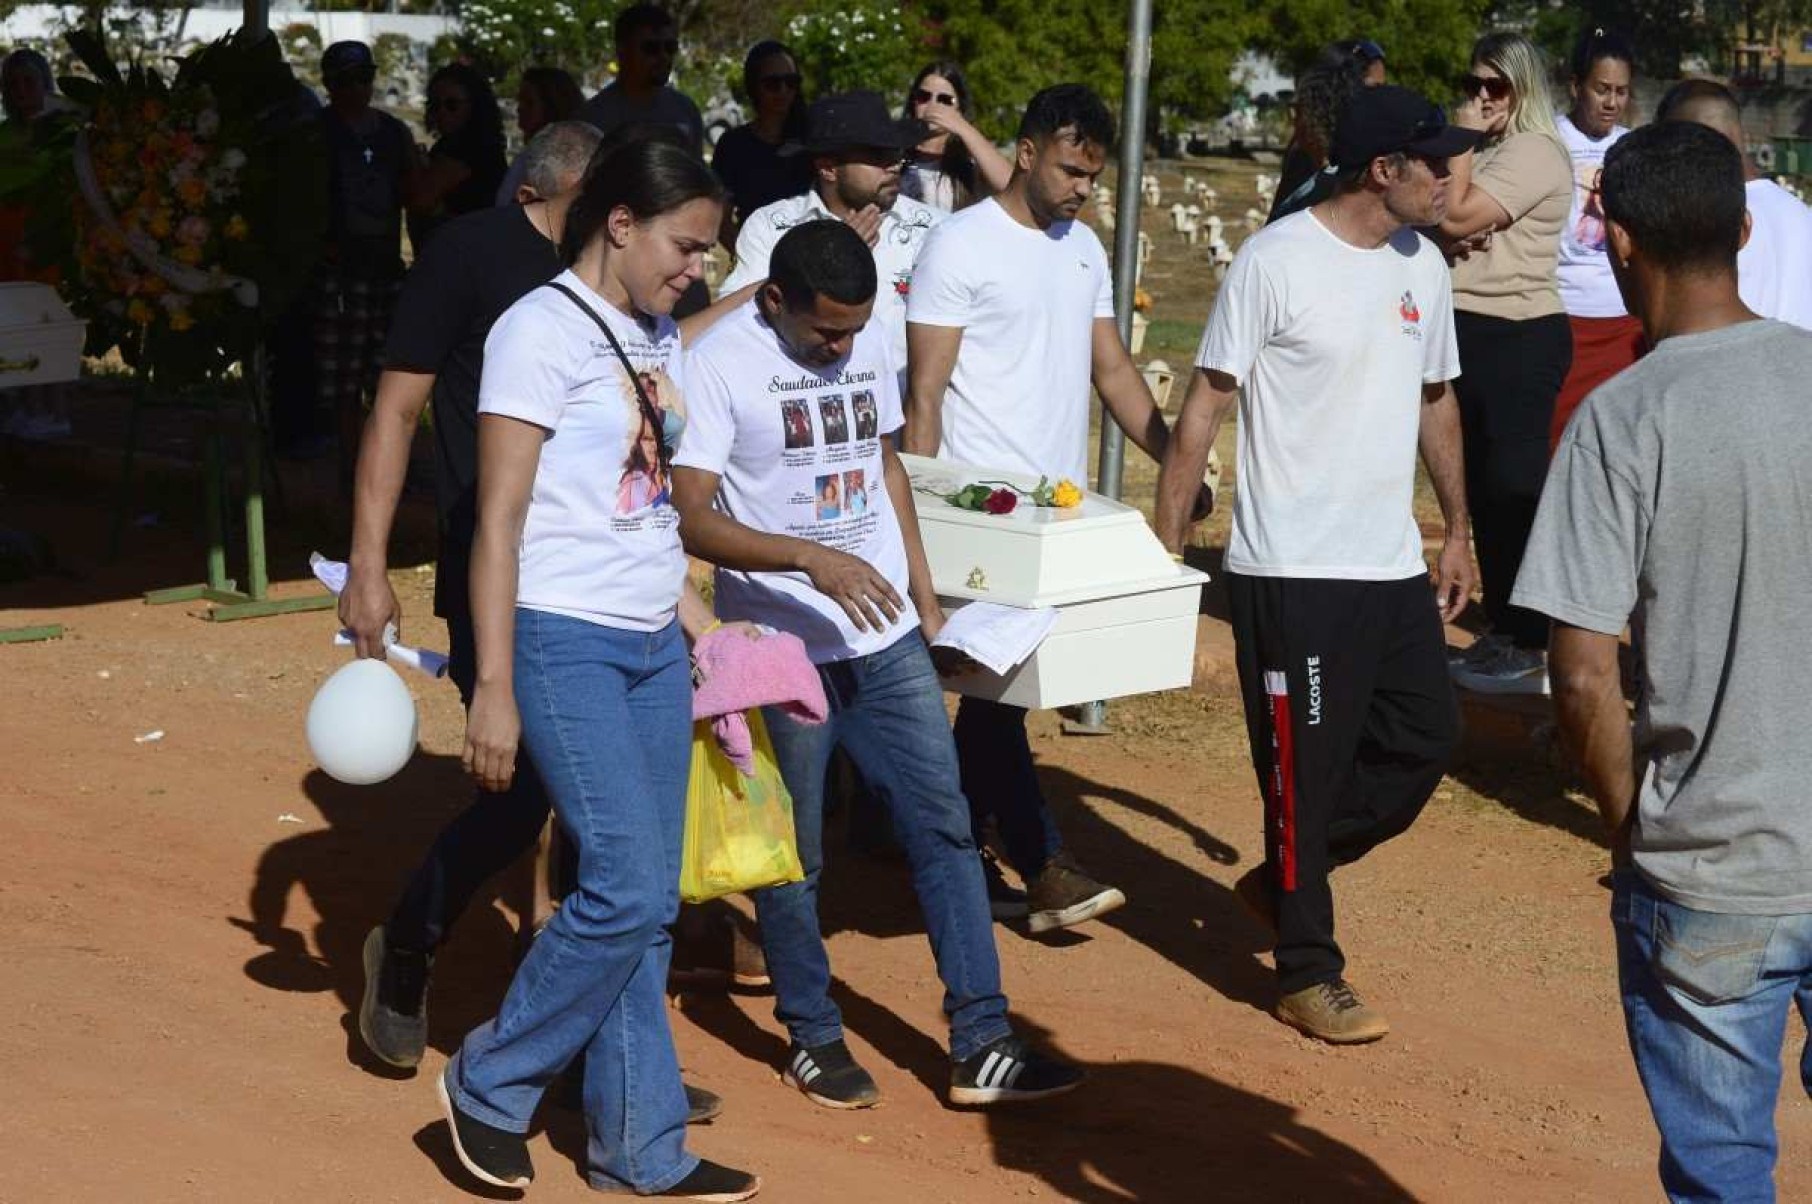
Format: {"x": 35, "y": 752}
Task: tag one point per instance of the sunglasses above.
{"x": 926, "y": 97}
{"x": 1494, "y": 86}
{"x": 666, "y": 46}
{"x": 780, "y": 83}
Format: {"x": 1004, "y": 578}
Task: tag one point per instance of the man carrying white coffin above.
{"x": 1335, "y": 326}
{"x": 1011, "y": 316}
{"x": 764, "y": 483}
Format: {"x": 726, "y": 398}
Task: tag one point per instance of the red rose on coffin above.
{"x": 1001, "y": 501}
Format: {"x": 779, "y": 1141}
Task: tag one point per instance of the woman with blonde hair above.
{"x": 1507, "y": 203}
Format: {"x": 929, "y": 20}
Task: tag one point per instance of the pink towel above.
{"x": 733, "y": 673}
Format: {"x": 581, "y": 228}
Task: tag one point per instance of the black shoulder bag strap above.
{"x": 651, "y": 413}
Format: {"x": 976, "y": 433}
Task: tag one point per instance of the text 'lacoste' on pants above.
{"x": 887, "y": 712}
{"x": 606, "y": 715}
{"x": 1705, "y": 1003}
{"x": 1352, "y": 721}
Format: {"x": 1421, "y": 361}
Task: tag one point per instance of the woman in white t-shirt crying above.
{"x": 577, "y": 582}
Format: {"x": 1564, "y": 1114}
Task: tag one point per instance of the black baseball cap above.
{"x": 1387, "y": 119}
{"x": 344, "y": 57}
{"x": 853, "y": 120}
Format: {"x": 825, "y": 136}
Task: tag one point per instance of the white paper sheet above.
{"x": 997, "y": 637}
{"x": 332, "y": 574}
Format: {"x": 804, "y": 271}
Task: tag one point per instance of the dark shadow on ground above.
{"x": 352, "y": 871}
{"x": 1162, "y": 1134}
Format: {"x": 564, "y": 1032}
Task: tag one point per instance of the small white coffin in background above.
{"x": 1126, "y": 611}
{"x": 40, "y": 341}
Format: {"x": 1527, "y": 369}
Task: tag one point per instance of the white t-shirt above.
{"x": 1774, "y": 271}
{"x": 928, "y": 182}
{"x": 601, "y": 540}
{"x": 903, "y": 232}
{"x": 1027, "y": 301}
{"x": 1587, "y": 288}
{"x": 798, "y": 450}
{"x": 1331, "y": 345}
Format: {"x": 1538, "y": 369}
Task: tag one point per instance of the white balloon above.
{"x": 362, "y": 723}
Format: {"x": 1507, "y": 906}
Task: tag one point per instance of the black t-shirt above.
{"x": 367, "y": 159}
{"x": 756, "y": 173}
{"x": 478, "y": 266}
{"x": 484, "y": 161}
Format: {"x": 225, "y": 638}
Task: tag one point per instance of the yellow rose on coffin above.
{"x": 1066, "y": 495}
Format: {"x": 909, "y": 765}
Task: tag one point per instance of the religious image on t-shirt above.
{"x": 796, "y": 416}
{"x": 1588, "y": 231}
{"x": 868, "y": 415}
{"x": 828, "y": 495}
{"x": 836, "y": 420}
{"x": 643, "y": 482}
{"x": 855, "y": 493}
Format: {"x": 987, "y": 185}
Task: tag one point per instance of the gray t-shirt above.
{"x": 1680, "y": 501}
{"x": 612, "y": 107}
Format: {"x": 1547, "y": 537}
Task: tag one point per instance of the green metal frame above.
{"x": 243, "y": 410}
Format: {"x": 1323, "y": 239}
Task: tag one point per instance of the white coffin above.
{"x": 40, "y": 341}
{"x": 1126, "y": 612}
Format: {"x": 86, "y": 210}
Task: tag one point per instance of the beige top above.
{"x": 1531, "y": 176}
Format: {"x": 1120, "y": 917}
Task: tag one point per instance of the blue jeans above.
{"x": 606, "y": 716}
{"x": 998, "y": 777}
{"x": 887, "y": 712}
{"x": 1705, "y": 1000}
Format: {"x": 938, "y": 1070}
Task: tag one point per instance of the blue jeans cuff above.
{"x": 464, "y": 1101}
{"x": 967, "y": 1044}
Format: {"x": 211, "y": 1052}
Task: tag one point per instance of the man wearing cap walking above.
{"x": 370, "y": 155}
{"x": 856, "y": 147}
{"x": 1334, "y": 332}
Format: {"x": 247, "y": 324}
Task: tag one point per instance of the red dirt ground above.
{"x": 181, "y": 955}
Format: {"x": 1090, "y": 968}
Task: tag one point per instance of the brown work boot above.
{"x": 1332, "y": 1012}
{"x": 1062, "y": 896}
{"x": 1253, "y": 889}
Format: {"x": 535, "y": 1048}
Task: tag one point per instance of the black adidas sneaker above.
{"x": 1007, "y": 1071}
{"x": 829, "y": 1076}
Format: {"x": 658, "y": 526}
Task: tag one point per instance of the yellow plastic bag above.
{"x": 739, "y": 830}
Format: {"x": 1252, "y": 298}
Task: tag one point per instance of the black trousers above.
{"x": 1352, "y": 721}
{"x": 1511, "y": 372}
{"x": 480, "y": 842}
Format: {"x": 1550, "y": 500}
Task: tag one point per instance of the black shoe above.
{"x": 1010, "y": 1070}
{"x": 702, "y": 1105}
{"x": 393, "y": 1016}
{"x": 829, "y": 1076}
{"x": 1004, "y": 902}
{"x": 713, "y": 1184}
{"x": 498, "y": 1157}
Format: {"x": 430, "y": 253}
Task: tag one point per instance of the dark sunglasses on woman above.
{"x": 925, "y": 96}
{"x": 1494, "y": 86}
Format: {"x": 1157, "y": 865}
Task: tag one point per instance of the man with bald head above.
{"x": 1774, "y": 269}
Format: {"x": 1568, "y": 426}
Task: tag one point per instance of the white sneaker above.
{"x": 1511, "y": 671}
{"x": 1486, "y": 647}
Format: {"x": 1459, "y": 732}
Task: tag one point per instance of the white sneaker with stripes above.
{"x": 1010, "y": 1070}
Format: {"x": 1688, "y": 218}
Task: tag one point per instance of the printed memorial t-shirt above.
{"x": 1331, "y": 345}
{"x": 1679, "y": 502}
{"x": 1027, "y": 301}
{"x": 1587, "y": 288}
{"x": 601, "y": 542}
{"x": 799, "y": 452}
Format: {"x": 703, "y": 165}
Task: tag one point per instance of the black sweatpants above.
{"x": 1352, "y": 721}
{"x": 1511, "y": 372}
